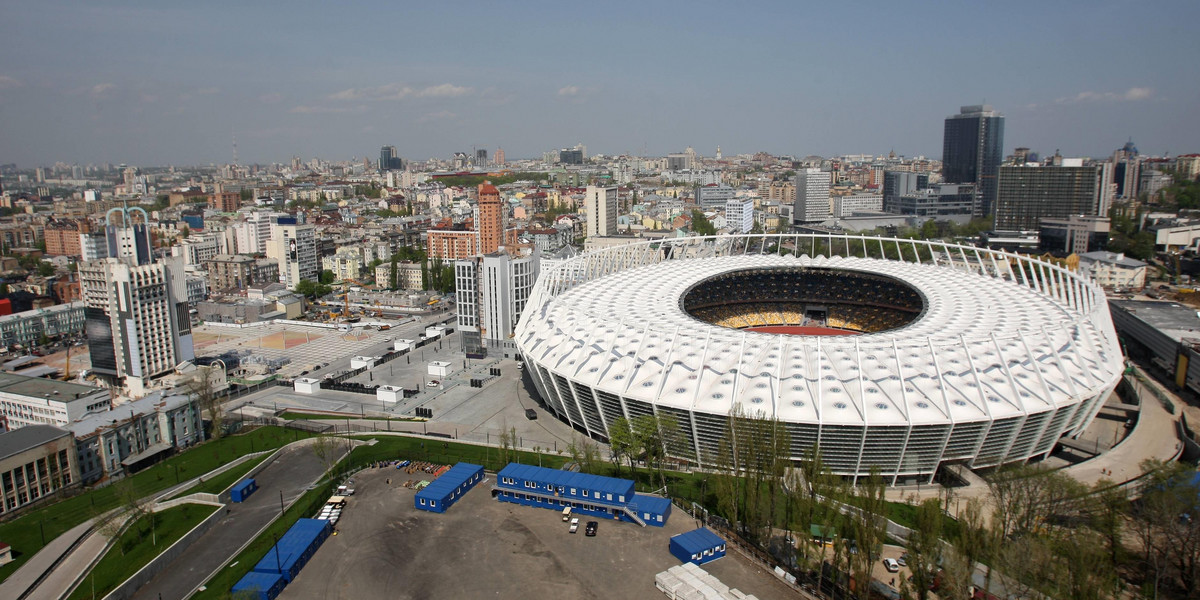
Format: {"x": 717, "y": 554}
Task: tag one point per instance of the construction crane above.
{"x": 346, "y": 296}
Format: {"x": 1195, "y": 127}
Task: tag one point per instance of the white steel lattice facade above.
{"x": 1008, "y": 355}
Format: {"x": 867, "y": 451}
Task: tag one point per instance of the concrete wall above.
{"x": 154, "y": 567}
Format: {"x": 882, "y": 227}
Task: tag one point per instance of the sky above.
{"x": 163, "y": 82}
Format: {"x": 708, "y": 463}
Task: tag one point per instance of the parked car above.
{"x": 891, "y": 565}
{"x": 590, "y": 530}
{"x": 574, "y": 525}
{"x": 531, "y": 414}
{"x": 434, "y": 383}
{"x": 903, "y": 560}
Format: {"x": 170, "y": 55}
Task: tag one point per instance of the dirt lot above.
{"x": 385, "y": 548}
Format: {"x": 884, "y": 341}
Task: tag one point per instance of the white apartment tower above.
{"x": 295, "y": 247}
{"x": 739, "y": 214}
{"x": 812, "y": 196}
{"x": 491, "y": 291}
{"x": 138, "y": 326}
{"x": 601, "y": 206}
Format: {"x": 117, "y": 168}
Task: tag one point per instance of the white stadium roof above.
{"x": 992, "y": 342}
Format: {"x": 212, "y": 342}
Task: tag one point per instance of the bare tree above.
{"x": 202, "y": 387}
{"x": 327, "y": 449}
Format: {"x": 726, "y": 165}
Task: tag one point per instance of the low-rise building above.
{"x": 1113, "y": 270}
{"x": 136, "y": 434}
{"x": 35, "y": 462}
{"x": 26, "y": 401}
{"x": 236, "y": 271}
{"x": 29, "y": 326}
{"x": 408, "y": 275}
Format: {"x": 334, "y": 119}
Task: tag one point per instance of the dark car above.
{"x": 591, "y": 528}
{"x": 531, "y": 414}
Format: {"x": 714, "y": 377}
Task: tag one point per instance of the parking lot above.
{"x": 480, "y": 547}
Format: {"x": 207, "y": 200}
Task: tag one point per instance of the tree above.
{"x": 392, "y": 277}
{"x": 46, "y": 268}
{"x": 312, "y": 290}
{"x": 701, "y": 225}
{"x": 326, "y": 277}
{"x": 327, "y": 449}
{"x": 925, "y": 546}
{"x": 202, "y": 389}
{"x": 622, "y": 444}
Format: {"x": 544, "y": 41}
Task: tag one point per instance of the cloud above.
{"x": 208, "y": 91}
{"x": 398, "y": 91}
{"x": 317, "y": 110}
{"x": 7, "y": 82}
{"x": 1133, "y": 94}
{"x": 271, "y": 98}
{"x": 148, "y": 98}
{"x": 101, "y": 89}
{"x": 569, "y": 91}
{"x": 436, "y": 116}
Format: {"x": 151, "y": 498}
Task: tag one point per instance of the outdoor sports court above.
{"x": 305, "y": 346}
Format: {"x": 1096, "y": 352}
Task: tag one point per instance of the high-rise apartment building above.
{"x": 138, "y": 325}
{"x": 489, "y": 221}
{"x": 1026, "y": 194}
{"x": 739, "y": 214}
{"x": 131, "y": 237}
{"x": 295, "y": 247}
{"x": 713, "y": 196}
{"x": 491, "y": 291}
{"x": 500, "y": 157}
{"x": 1126, "y": 173}
{"x": 812, "y": 196}
{"x": 481, "y": 159}
{"x": 600, "y": 203}
{"x": 972, "y": 150}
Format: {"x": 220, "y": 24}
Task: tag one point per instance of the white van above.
{"x": 567, "y": 514}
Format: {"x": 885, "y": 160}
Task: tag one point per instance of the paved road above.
{"x": 291, "y": 473}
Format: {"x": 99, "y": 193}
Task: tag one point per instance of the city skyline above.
{"x": 141, "y": 83}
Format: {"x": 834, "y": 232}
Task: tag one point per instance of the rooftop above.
{"x": 1173, "y": 319}
{"x": 24, "y": 438}
{"x": 37, "y": 387}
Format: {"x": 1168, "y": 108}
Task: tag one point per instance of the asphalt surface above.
{"x": 482, "y": 548}
{"x": 290, "y": 473}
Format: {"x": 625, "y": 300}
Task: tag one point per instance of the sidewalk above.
{"x": 19, "y": 584}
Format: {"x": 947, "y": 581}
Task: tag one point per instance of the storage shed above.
{"x": 260, "y": 586}
{"x": 697, "y": 546}
{"x": 295, "y": 548}
{"x": 243, "y": 489}
{"x": 449, "y": 487}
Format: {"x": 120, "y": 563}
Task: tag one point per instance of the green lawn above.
{"x": 291, "y": 416}
{"x": 221, "y": 482}
{"x": 138, "y": 546}
{"x": 29, "y": 532}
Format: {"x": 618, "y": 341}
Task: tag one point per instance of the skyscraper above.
{"x": 972, "y": 149}
{"x": 500, "y": 156}
{"x": 812, "y": 196}
{"x": 388, "y": 161}
{"x": 489, "y": 222}
{"x": 1029, "y": 193}
{"x": 601, "y": 206}
{"x": 137, "y": 320}
{"x": 481, "y": 159}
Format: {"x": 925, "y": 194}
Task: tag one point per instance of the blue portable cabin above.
{"x": 294, "y": 549}
{"x": 697, "y": 546}
{"x": 260, "y": 586}
{"x": 242, "y": 490}
{"x": 448, "y": 488}
{"x": 591, "y": 495}
{"x": 654, "y": 510}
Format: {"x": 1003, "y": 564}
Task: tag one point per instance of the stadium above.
{"x": 890, "y": 355}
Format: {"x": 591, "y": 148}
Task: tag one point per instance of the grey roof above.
{"x": 1175, "y": 320}
{"x": 155, "y": 401}
{"x": 25, "y": 438}
{"x": 1112, "y": 258}
{"x": 38, "y": 387}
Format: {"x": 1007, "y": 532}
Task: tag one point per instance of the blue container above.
{"x": 295, "y": 548}
{"x": 242, "y": 490}
{"x": 448, "y": 488}
{"x": 697, "y": 546}
{"x": 260, "y": 586}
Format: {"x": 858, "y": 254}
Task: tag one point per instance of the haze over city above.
{"x": 157, "y": 83}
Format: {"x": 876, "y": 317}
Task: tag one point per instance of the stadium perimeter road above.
{"x": 482, "y": 548}
{"x": 291, "y": 472}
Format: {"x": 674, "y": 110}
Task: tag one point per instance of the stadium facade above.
{"x": 950, "y": 355}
